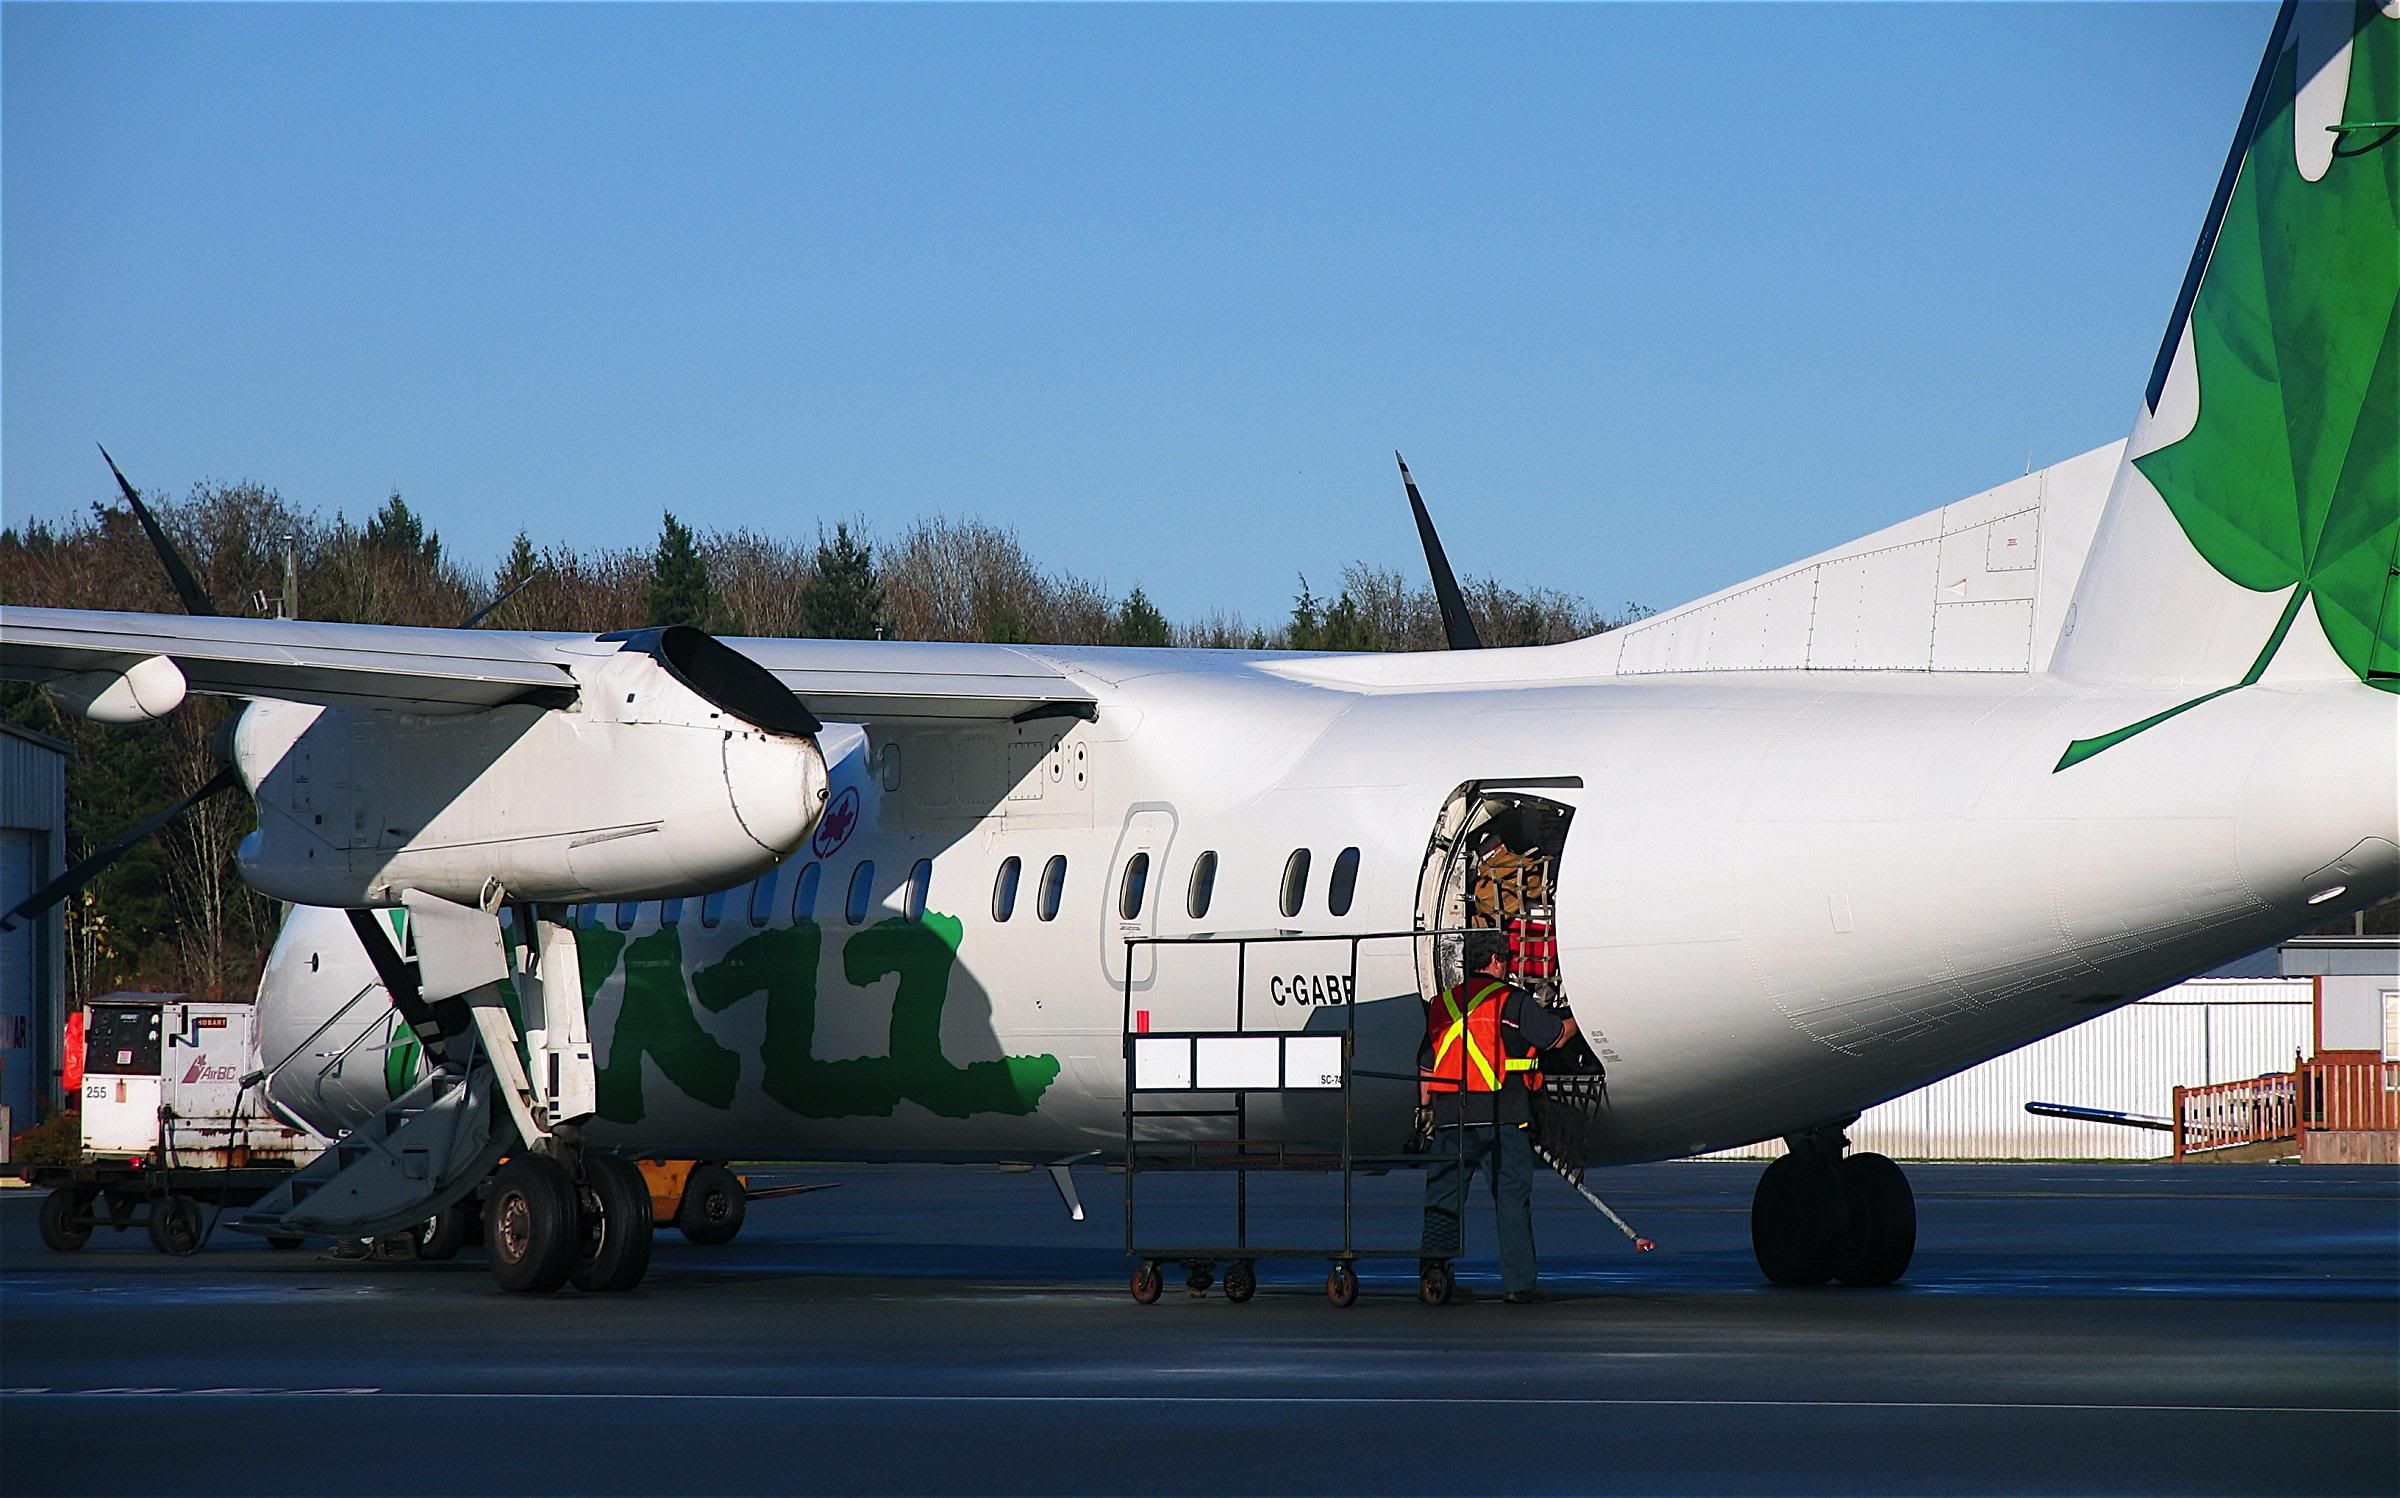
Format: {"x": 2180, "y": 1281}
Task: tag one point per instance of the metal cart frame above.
{"x": 1241, "y": 1154}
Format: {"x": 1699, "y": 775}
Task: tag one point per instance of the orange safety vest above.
{"x": 1464, "y": 1034}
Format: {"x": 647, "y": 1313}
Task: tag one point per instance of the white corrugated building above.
{"x": 2131, "y": 1060}
{"x": 33, "y": 957}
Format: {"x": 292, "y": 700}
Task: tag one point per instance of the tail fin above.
{"x": 2254, "y": 529}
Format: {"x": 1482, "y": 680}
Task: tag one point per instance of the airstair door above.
{"x": 1137, "y": 885}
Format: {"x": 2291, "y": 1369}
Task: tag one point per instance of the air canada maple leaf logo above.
{"x": 835, "y": 827}
{"x": 2290, "y": 478}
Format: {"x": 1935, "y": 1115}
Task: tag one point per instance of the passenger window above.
{"x": 670, "y": 913}
{"x": 1342, "y": 888}
{"x": 712, "y": 909}
{"x": 1054, "y": 886}
{"x": 920, "y": 881}
{"x": 862, "y": 886}
{"x": 762, "y": 897}
{"x": 1004, "y": 888}
{"x": 804, "y": 893}
{"x": 626, "y": 912}
{"x": 1203, "y": 886}
{"x": 1136, "y": 884}
{"x": 1295, "y": 881}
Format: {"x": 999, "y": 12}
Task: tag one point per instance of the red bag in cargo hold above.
{"x": 1532, "y": 950}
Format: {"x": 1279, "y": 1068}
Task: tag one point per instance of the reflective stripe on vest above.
{"x": 1466, "y": 1041}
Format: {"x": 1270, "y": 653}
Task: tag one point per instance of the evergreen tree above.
{"x": 844, "y": 601}
{"x": 679, "y": 586}
{"x": 1307, "y": 624}
{"x": 522, "y": 562}
{"x": 396, "y": 529}
{"x": 1139, "y": 622}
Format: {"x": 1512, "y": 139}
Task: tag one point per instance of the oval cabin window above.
{"x": 862, "y": 888}
{"x": 1054, "y": 887}
{"x": 804, "y": 893}
{"x": 1342, "y": 888}
{"x": 920, "y": 883}
{"x": 1203, "y": 886}
{"x": 1295, "y": 881}
{"x": 1134, "y": 887}
{"x": 762, "y": 897}
{"x": 1004, "y": 887}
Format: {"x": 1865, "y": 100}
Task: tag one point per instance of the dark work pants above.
{"x": 1505, "y": 1154}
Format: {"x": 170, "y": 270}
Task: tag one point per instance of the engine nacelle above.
{"x": 644, "y": 788}
{"x": 143, "y": 692}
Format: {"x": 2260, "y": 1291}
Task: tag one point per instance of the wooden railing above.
{"x": 2322, "y": 1093}
{"x": 2221, "y": 1115}
{"x": 2349, "y": 1092}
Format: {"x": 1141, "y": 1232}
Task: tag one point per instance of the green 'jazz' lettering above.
{"x": 656, "y": 1019}
{"x": 923, "y": 954}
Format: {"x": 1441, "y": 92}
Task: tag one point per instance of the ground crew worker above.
{"x": 1478, "y": 1069}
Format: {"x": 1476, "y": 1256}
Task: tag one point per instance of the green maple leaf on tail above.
{"x": 2290, "y": 478}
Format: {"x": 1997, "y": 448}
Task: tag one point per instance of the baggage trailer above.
{"x": 175, "y": 1126}
{"x": 1192, "y": 1075}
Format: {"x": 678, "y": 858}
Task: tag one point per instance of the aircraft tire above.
{"x": 529, "y": 1224}
{"x": 1795, "y": 1221}
{"x": 714, "y": 1205}
{"x": 177, "y": 1226}
{"x": 614, "y": 1227}
{"x": 1883, "y": 1221}
{"x": 62, "y": 1232}
{"x": 442, "y": 1235}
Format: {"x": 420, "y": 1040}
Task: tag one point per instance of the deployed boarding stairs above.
{"x": 439, "y": 1139}
{"x": 433, "y": 1144}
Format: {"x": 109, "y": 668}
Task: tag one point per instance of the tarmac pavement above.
{"x": 2065, "y": 1328}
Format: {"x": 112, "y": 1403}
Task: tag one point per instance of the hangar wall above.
{"x": 33, "y": 957}
{"x": 2206, "y": 1030}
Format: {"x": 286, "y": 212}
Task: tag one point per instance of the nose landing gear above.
{"x": 1820, "y": 1215}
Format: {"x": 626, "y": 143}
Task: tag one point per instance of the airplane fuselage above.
{"x": 1781, "y": 900}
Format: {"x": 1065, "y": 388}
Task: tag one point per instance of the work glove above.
{"x": 1420, "y": 1131}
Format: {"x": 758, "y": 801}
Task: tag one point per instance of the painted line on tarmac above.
{"x": 137, "y": 1391}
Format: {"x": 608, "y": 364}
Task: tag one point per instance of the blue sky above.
{"x": 1654, "y": 298}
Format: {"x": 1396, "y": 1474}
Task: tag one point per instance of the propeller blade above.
{"x": 1457, "y": 624}
{"x": 488, "y": 609}
{"x": 195, "y": 601}
{"x": 90, "y": 868}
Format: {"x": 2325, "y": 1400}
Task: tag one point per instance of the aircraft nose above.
{"x": 2321, "y": 810}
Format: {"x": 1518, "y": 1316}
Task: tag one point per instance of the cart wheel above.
{"x": 1435, "y": 1285}
{"x": 1147, "y": 1282}
{"x": 1241, "y": 1281}
{"x": 65, "y": 1225}
{"x": 176, "y": 1226}
{"x": 1203, "y": 1274}
{"x": 1341, "y": 1286}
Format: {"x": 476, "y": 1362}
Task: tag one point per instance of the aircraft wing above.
{"x": 438, "y": 671}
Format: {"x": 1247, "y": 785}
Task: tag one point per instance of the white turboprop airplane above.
{"x": 1810, "y": 843}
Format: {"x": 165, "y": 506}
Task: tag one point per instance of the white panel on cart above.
{"x": 1162, "y": 1063}
{"x": 1312, "y": 1061}
{"x": 1227, "y": 1062}
{"x": 120, "y": 1115}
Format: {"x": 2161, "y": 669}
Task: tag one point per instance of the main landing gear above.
{"x": 1821, "y": 1215}
{"x": 544, "y": 1227}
